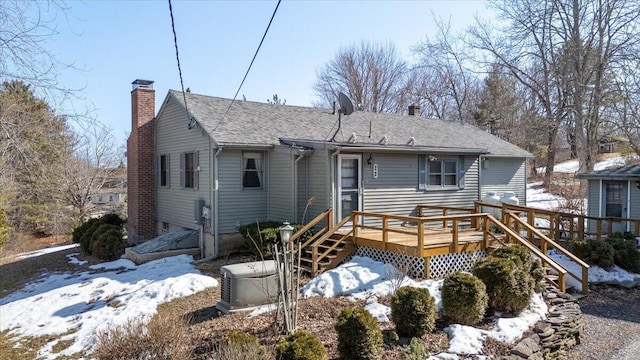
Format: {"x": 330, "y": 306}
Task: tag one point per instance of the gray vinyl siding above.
{"x": 396, "y": 191}
{"x": 235, "y": 203}
{"x": 174, "y": 204}
{"x": 281, "y": 190}
{"x": 593, "y": 203}
{"x": 634, "y": 208}
{"x": 505, "y": 174}
{"x": 318, "y": 183}
{"x": 303, "y": 188}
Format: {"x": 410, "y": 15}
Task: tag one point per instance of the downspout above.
{"x": 216, "y": 241}
{"x": 295, "y": 187}
{"x": 332, "y": 187}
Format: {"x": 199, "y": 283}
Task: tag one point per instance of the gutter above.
{"x": 216, "y": 240}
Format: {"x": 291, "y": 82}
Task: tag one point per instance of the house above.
{"x": 614, "y": 193}
{"x": 223, "y": 164}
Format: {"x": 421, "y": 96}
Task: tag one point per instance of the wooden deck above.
{"x": 403, "y": 240}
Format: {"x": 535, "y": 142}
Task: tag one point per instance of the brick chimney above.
{"x": 414, "y": 109}
{"x": 140, "y": 163}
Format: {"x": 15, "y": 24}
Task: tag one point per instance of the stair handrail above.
{"x": 325, "y": 214}
{"x": 546, "y": 259}
{"x": 545, "y": 241}
{"x": 315, "y": 257}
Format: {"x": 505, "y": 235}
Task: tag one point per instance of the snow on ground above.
{"x": 364, "y": 278}
{"x": 45, "y": 251}
{"x": 571, "y": 166}
{"x": 539, "y": 198}
{"x": 112, "y": 294}
{"x": 596, "y": 274}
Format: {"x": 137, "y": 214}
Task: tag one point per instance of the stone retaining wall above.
{"x": 555, "y": 335}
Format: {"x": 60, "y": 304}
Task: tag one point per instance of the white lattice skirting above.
{"x": 440, "y": 265}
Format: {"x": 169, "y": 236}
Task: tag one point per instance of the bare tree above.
{"x": 26, "y": 27}
{"x": 446, "y": 87}
{"x": 96, "y": 165}
{"x": 372, "y": 75}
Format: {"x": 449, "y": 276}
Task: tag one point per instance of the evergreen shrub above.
{"x": 464, "y": 298}
{"x": 108, "y": 244}
{"x": 509, "y": 287}
{"x": 301, "y": 345}
{"x": 625, "y": 252}
{"x": 359, "y": 335}
{"x": 413, "y": 311}
{"x": 594, "y": 252}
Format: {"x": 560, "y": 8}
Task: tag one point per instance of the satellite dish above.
{"x": 192, "y": 123}
{"x": 346, "y": 107}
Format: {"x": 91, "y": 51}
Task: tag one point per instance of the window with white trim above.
{"x": 440, "y": 173}
{"x": 252, "y": 170}
{"x": 164, "y": 169}
{"x": 189, "y": 168}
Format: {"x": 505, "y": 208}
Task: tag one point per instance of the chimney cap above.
{"x": 139, "y": 83}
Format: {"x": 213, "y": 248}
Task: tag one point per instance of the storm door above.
{"x": 349, "y": 184}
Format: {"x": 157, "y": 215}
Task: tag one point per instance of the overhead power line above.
{"x": 249, "y": 68}
{"x": 175, "y": 42}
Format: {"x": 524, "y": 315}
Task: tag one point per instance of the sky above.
{"x": 84, "y": 299}
{"x": 116, "y": 42}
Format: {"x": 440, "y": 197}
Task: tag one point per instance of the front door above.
{"x": 349, "y": 185}
{"x": 615, "y": 203}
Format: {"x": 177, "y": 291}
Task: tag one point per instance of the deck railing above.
{"x": 325, "y": 215}
{"x": 563, "y": 225}
{"x": 485, "y": 223}
{"x": 512, "y": 220}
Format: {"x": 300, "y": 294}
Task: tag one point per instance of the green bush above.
{"x": 413, "y": 311}
{"x": 259, "y": 237}
{"x": 359, "y": 335}
{"x": 464, "y": 298}
{"x": 87, "y": 233}
{"x": 509, "y": 287}
{"x": 108, "y": 244}
{"x": 625, "y": 253}
{"x": 520, "y": 255}
{"x": 301, "y": 345}
{"x": 594, "y": 252}
{"x": 238, "y": 345}
{"x": 79, "y": 231}
{"x": 4, "y": 229}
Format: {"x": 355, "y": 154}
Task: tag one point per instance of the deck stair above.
{"x": 326, "y": 249}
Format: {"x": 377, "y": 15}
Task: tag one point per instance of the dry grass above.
{"x": 161, "y": 338}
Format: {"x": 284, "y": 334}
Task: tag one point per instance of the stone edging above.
{"x": 555, "y": 335}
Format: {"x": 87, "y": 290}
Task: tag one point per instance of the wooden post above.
{"x": 580, "y": 227}
{"x": 445, "y": 212}
{"x": 421, "y": 237}
{"x": 455, "y": 235}
{"x": 561, "y": 282}
{"x": 427, "y": 267}
{"x": 485, "y": 233}
{"x": 598, "y": 228}
{"x": 354, "y": 220}
{"x": 314, "y": 261}
{"x": 385, "y": 233}
{"x": 531, "y": 220}
{"x": 610, "y": 227}
{"x": 330, "y": 219}
{"x": 585, "y": 281}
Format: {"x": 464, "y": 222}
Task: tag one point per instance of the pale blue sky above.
{"x": 117, "y": 42}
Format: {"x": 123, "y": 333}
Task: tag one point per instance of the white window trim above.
{"x": 196, "y": 170}
{"x": 423, "y": 172}
{"x": 168, "y": 171}
{"x": 261, "y": 164}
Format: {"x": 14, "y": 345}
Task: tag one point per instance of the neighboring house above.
{"x": 247, "y": 161}
{"x": 614, "y": 193}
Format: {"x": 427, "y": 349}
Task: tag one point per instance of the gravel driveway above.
{"x": 612, "y": 317}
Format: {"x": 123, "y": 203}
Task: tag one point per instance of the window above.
{"x": 163, "y": 170}
{"x": 189, "y": 167}
{"x": 165, "y": 226}
{"x": 252, "y": 170}
{"x": 437, "y": 173}
{"x": 613, "y": 200}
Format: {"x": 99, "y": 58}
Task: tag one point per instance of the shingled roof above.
{"x": 623, "y": 172}
{"x": 254, "y": 124}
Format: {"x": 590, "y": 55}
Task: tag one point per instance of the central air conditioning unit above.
{"x": 247, "y": 286}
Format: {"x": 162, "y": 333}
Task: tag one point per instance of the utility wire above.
{"x": 251, "y": 64}
{"x": 175, "y": 42}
